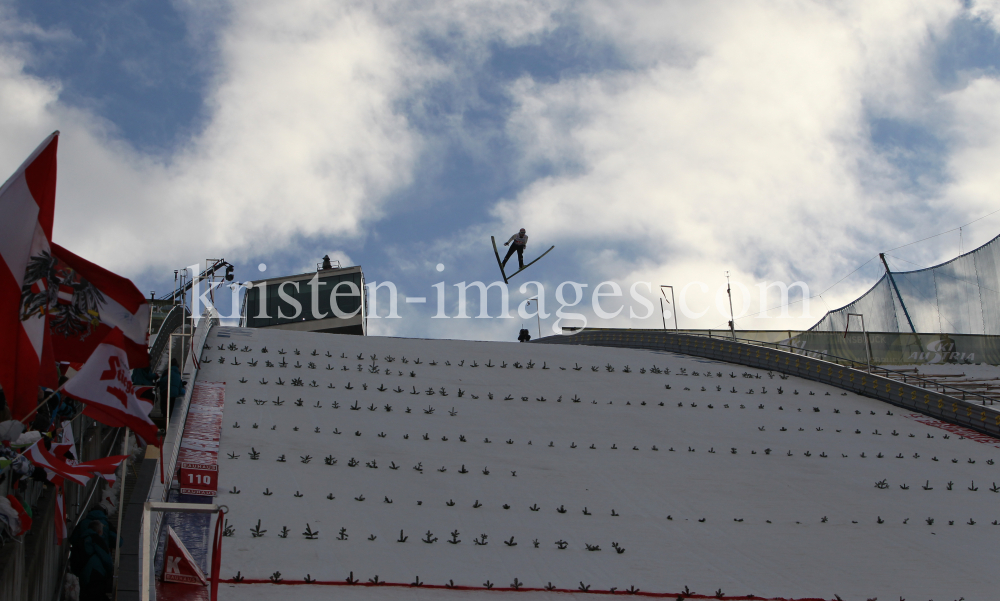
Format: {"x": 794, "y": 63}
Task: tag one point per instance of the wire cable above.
{"x": 820, "y": 295}
{"x": 869, "y": 261}
{"x": 955, "y": 229}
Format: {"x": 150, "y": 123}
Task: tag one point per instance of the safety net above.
{"x": 959, "y": 297}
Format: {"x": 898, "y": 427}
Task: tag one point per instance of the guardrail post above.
{"x": 148, "y": 553}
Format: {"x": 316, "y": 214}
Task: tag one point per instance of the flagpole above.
{"x": 47, "y": 399}
{"x": 121, "y": 508}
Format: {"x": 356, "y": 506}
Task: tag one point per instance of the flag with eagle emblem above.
{"x": 84, "y": 302}
{"x": 27, "y": 207}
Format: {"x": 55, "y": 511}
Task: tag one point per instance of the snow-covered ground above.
{"x": 746, "y": 484}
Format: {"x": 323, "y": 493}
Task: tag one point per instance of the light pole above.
{"x": 669, "y": 302}
{"x": 152, "y": 307}
{"x": 732, "y": 318}
{"x": 537, "y": 311}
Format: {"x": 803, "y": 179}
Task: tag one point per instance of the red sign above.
{"x": 199, "y": 479}
{"x": 178, "y": 565}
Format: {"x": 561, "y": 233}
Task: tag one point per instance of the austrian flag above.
{"x": 105, "y": 386}
{"x": 27, "y": 207}
{"x": 57, "y": 467}
{"x": 106, "y": 466}
{"x": 86, "y": 302}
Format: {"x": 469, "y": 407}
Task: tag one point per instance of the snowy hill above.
{"x": 708, "y": 475}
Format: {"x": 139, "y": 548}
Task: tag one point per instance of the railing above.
{"x": 171, "y": 322}
{"x": 36, "y": 568}
{"x": 159, "y": 492}
{"x": 95, "y": 484}
{"x": 888, "y": 373}
{"x": 843, "y": 373}
{"x": 147, "y": 540}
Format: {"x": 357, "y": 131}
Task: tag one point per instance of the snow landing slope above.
{"x": 505, "y": 465}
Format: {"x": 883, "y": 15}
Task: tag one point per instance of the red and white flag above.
{"x": 104, "y": 384}
{"x": 105, "y": 466}
{"x": 86, "y": 302}
{"x": 23, "y": 519}
{"x": 27, "y": 206}
{"x": 56, "y": 468}
{"x": 66, "y": 444}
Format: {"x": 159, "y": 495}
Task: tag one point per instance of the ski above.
{"x": 507, "y": 277}
{"x": 499, "y": 263}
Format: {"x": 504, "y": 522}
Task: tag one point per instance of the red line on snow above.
{"x": 525, "y": 590}
{"x": 960, "y": 430}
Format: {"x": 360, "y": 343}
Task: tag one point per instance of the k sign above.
{"x": 178, "y": 565}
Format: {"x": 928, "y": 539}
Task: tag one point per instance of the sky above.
{"x": 662, "y": 142}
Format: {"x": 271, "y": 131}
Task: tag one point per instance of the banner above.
{"x": 104, "y": 384}
{"x": 894, "y": 348}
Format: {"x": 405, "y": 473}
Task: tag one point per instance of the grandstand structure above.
{"x": 657, "y": 464}
{"x": 332, "y": 300}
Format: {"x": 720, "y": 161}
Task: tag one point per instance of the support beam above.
{"x": 899, "y": 296}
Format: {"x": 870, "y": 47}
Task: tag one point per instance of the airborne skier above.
{"x": 520, "y": 241}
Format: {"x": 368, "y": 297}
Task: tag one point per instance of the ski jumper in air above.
{"x": 520, "y": 242}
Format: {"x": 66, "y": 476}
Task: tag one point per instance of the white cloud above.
{"x": 304, "y": 133}
{"x": 735, "y": 138}
{"x": 988, "y": 10}
{"x": 738, "y": 142}
{"x": 974, "y": 133}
